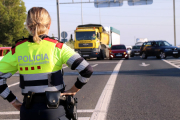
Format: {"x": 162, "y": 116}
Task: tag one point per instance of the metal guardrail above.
{"x": 6, "y": 49}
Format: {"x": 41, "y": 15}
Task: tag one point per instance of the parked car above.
{"x": 160, "y": 49}
{"x": 118, "y": 51}
{"x": 135, "y": 50}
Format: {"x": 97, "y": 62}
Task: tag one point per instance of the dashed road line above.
{"x": 85, "y": 111}
{"x": 65, "y": 67}
{"x": 10, "y": 113}
{"x": 100, "y": 62}
{"x": 17, "y": 112}
{"x": 94, "y": 65}
{"x": 13, "y": 84}
{"x": 83, "y": 118}
{"x": 79, "y": 118}
{"x": 101, "y": 108}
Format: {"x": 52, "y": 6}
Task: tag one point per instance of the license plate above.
{"x": 119, "y": 55}
{"x": 175, "y": 52}
{"x": 85, "y": 55}
{"x": 137, "y": 53}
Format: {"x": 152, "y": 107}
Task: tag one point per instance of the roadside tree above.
{"x": 12, "y": 21}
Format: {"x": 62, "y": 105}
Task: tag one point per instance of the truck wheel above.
{"x": 98, "y": 58}
{"x": 102, "y": 54}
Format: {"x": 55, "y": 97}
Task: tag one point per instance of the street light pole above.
{"x": 174, "y": 22}
{"x": 81, "y": 13}
{"x": 99, "y": 15}
{"x": 58, "y": 19}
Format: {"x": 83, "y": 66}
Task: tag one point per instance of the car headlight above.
{"x": 95, "y": 50}
{"x": 124, "y": 52}
{"x": 167, "y": 49}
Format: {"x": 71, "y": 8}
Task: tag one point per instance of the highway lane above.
{"x": 139, "y": 93}
{"x": 146, "y": 93}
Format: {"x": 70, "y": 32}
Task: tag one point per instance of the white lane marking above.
{"x": 9, "y": 119}
{"x": 83, "y": 118}
{"x": 13, "y": 84}
{"x": 65, "y": 67}
{"x": 171, "y": 63}
{"x": 100, "y": 62}
{"x": 10, "y": 113}
{"x": 79, "y": 118}
{"x": 94, "y": 65}
{"x": 174, "y": 61}
{"x": 144, "y": 64}
{"x": 85, "y": 111}
{"x": 101, "y": 109}
{"x": 17, "y": 112}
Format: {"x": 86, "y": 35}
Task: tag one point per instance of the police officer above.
{"x": 39, "y": 60}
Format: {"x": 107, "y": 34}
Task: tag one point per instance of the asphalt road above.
{"x": 134, "y": 89}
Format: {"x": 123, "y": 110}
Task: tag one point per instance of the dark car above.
{"x": 160, "y": 49}
{"x": 118, "y": 51}
{"x": 135, "y": 50}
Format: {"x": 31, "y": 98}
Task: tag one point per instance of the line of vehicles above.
{"x": 96, "y": 41}
{"x": 159, "y": 48}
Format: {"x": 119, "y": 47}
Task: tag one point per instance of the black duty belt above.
{"x": 42, "y": 99}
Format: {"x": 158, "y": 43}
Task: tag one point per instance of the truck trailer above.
{"x": 140, "y": 41}
{"x": 93, "y": 40}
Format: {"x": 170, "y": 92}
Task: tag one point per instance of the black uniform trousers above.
{"x": 39, "y": 111}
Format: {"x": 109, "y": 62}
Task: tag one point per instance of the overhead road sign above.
{"x": 108, "y": 3}
{"x": 139, "y": 2}
{"x": 77, "y": 1}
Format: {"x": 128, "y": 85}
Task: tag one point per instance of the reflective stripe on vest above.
{"x": 41, "y": 89}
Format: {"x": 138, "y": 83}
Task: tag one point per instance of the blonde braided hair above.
{"x": 37, "y": 22}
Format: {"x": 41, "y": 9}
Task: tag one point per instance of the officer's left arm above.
{"x": 76, "y": 62}
{"x": 8, "y": 66}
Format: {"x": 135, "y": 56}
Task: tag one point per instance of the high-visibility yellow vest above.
{"x": 40, "y": 65}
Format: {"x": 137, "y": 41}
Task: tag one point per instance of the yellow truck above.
{"x": 94, "y": 41}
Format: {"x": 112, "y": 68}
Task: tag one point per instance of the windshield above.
{"x": 118, "y": 47}
{"x": 163, "y": 43}
{"x": 86, "y": 35}
{"x": 136, "y": 47}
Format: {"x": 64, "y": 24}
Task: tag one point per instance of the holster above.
{"x": 53, "y": 99}
{"x": 28, "y": 99}
{"x": 71, "y": 107}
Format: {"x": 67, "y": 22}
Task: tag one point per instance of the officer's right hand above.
{"x": 71, "y": 91}
{"x": 17, "y": 104}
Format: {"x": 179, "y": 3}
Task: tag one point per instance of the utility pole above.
{"x": 81, "y": 13}
{"x": 174, "y": 22}
{"x": 58, "y": 20}
{"x": 99, "y": 15}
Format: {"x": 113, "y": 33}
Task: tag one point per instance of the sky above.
{"x": 154, "y": 22}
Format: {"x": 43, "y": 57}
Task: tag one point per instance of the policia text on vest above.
{"x": 33, "y": 60}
